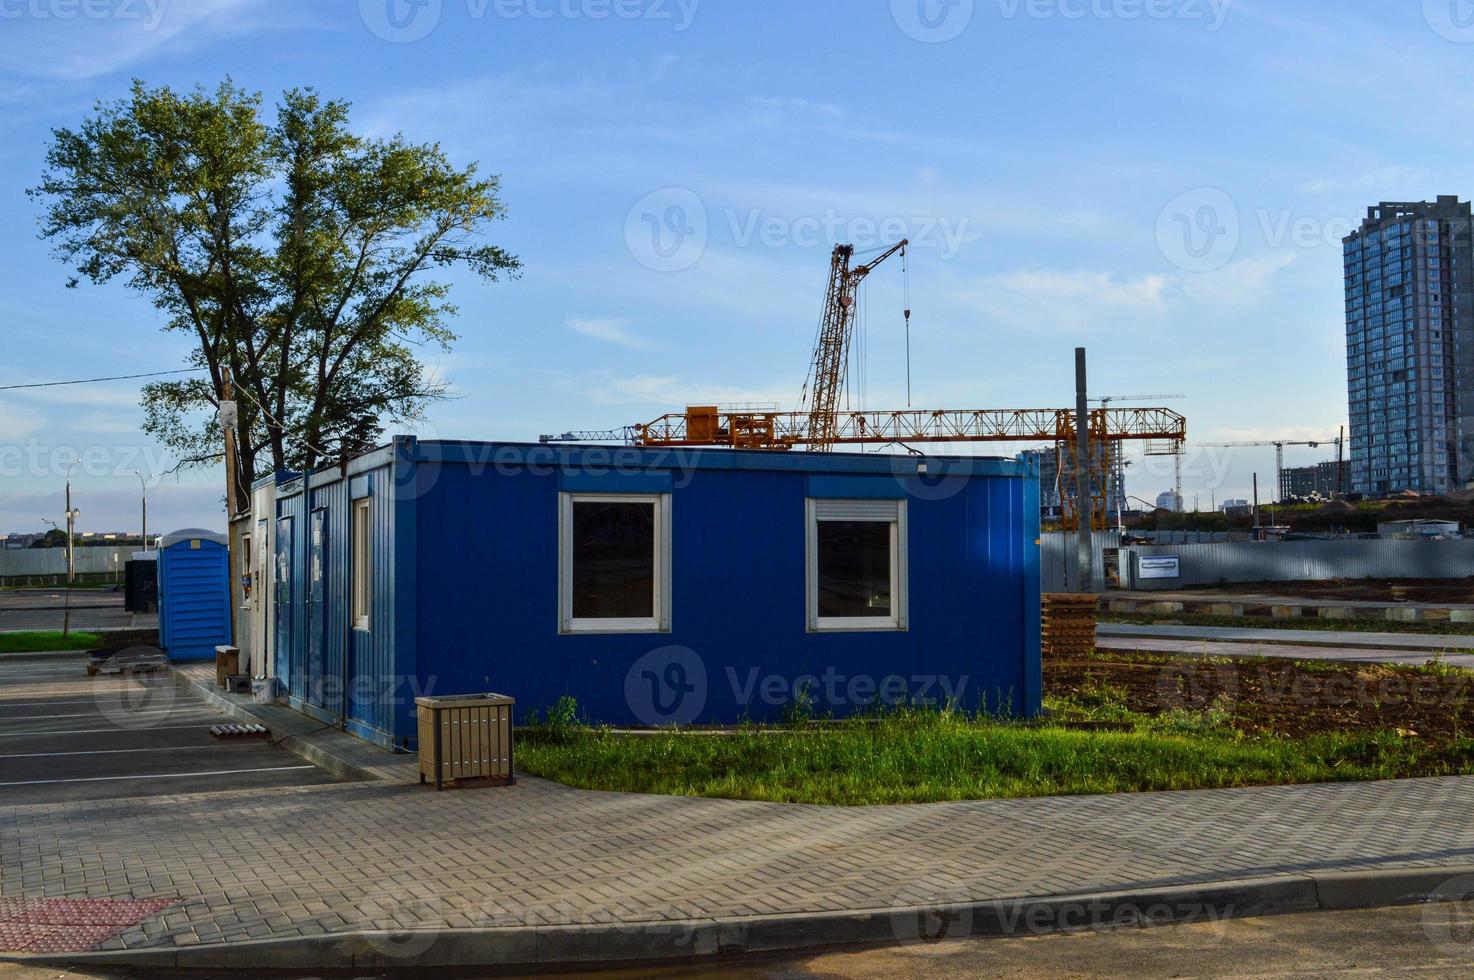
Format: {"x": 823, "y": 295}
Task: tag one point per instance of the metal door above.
{"x": 282, "y": 607}
{"x": 317, "y": 622}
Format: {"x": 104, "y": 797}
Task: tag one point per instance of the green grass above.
{"x": 41, "y": 641}
{"x": 1303, "y": 623}
{"x": 927, "y": 756}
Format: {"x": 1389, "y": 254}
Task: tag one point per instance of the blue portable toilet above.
{"x": 194, "y": 593}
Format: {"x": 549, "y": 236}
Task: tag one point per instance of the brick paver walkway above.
{"x": 305, "y": 861}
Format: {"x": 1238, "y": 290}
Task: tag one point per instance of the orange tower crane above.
{"x": 819, "y": 425}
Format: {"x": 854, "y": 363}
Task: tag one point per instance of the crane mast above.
{"x": 828, "y": 373}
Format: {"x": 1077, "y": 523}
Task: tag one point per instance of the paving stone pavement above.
{"x": 311, "y": 860}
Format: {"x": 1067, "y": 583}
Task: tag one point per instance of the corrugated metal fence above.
{"x": 1309, "y": 561}
{"x": 29, "y": 563}
{"x": 1057, "y": 559}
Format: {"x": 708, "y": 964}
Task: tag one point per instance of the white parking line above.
{"x": 130, "y": 712}
{"x": 46, "y": 755}
{"x": 161, "y": 775}
{"x": 100, "y": 731}
{"x": 47, "y": 703}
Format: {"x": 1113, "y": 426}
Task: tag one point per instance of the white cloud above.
{"x": 1396, "y": 177}
{"x": 83, "y": 46}
{"x": 610, "y": 330}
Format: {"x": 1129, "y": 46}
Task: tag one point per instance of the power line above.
{"x": 88, "y": 381}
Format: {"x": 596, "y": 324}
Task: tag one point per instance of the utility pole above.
{"x": 143, "y": 491}
{"x": 1083, "y": 543}
{"x": 228, "y": 419}
{"x": 1256, "y": 500}
{"x": 72, "y": 515}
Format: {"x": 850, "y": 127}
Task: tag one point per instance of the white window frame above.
{"x": 660, "y": 621}
{"x": 362, "y": 541}
{"x": 892, "y": 512}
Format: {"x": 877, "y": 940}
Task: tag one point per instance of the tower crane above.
{"x": 819, "y": 425}
{"x": 1279, "y": 454}
{"x": 1116, "y": 467}
{"x": 826, "y": 381}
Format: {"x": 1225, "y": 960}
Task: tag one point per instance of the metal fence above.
{"x": 48, "y": 566}
{"x": 1306, "y": 561}
{"x": 1058, "y": 559}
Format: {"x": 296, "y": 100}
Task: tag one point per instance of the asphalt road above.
{"x": 65, "y": 736}
{"x": 91, "y": 609}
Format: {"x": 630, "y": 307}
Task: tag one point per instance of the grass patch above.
{"x": 920, "y": 756}
{"x": 42, "y": 641}
{"x": 1304, "y": 623}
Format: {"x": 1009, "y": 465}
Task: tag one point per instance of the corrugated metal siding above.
{"x": 356, "y": 666}
{"x": 1058, "y": 558}
{"x": 89, "y": 559}
{"x": 1289, "y": 561}
{"x": 487, "y": 593}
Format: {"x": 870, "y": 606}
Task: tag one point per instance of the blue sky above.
{"x": 1163, "y": 181}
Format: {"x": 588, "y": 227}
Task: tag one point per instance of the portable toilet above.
{"x": 194, "y": 593}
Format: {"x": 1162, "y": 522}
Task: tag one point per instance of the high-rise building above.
{"x": 1410, "y": 347}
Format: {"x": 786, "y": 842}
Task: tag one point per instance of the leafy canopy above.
{"x": 297, "y": 254}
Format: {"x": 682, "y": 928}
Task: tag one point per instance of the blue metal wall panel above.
{"x": 487, "y": 592}
{"x": 353, "y": 682}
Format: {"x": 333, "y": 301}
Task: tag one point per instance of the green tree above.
{"x": 295, "y": 253}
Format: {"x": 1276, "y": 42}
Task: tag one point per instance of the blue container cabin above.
{"x": 194, "y": 594}
{"x": 654, "y": 586}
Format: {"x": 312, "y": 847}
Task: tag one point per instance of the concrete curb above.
{"x": 295, "y": 744}
{"x": 930, "y": 920}
{"x": 27, "y": 655}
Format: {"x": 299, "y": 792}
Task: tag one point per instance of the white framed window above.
{"x": 856, "y": 562}
{"x": 363, "y": 564}
{"x": 614, "y": 563}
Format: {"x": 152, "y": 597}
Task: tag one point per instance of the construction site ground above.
{"x": 1441, "y": 591}
{"x": 1281, "y": 697}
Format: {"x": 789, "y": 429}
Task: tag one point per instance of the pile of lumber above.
{"x": 1069, "y": 624}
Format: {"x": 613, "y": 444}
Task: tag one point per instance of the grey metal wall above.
{"x": 1291, "y": 561}
{"x": 53, "y": 561}
{"x": 1057, "y": 559}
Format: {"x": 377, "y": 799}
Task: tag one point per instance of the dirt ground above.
{"x": 1288, "y": 698}
{"x": 1438, "y": 590}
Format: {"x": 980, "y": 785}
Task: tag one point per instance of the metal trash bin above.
{"x": 465, "y": 737}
